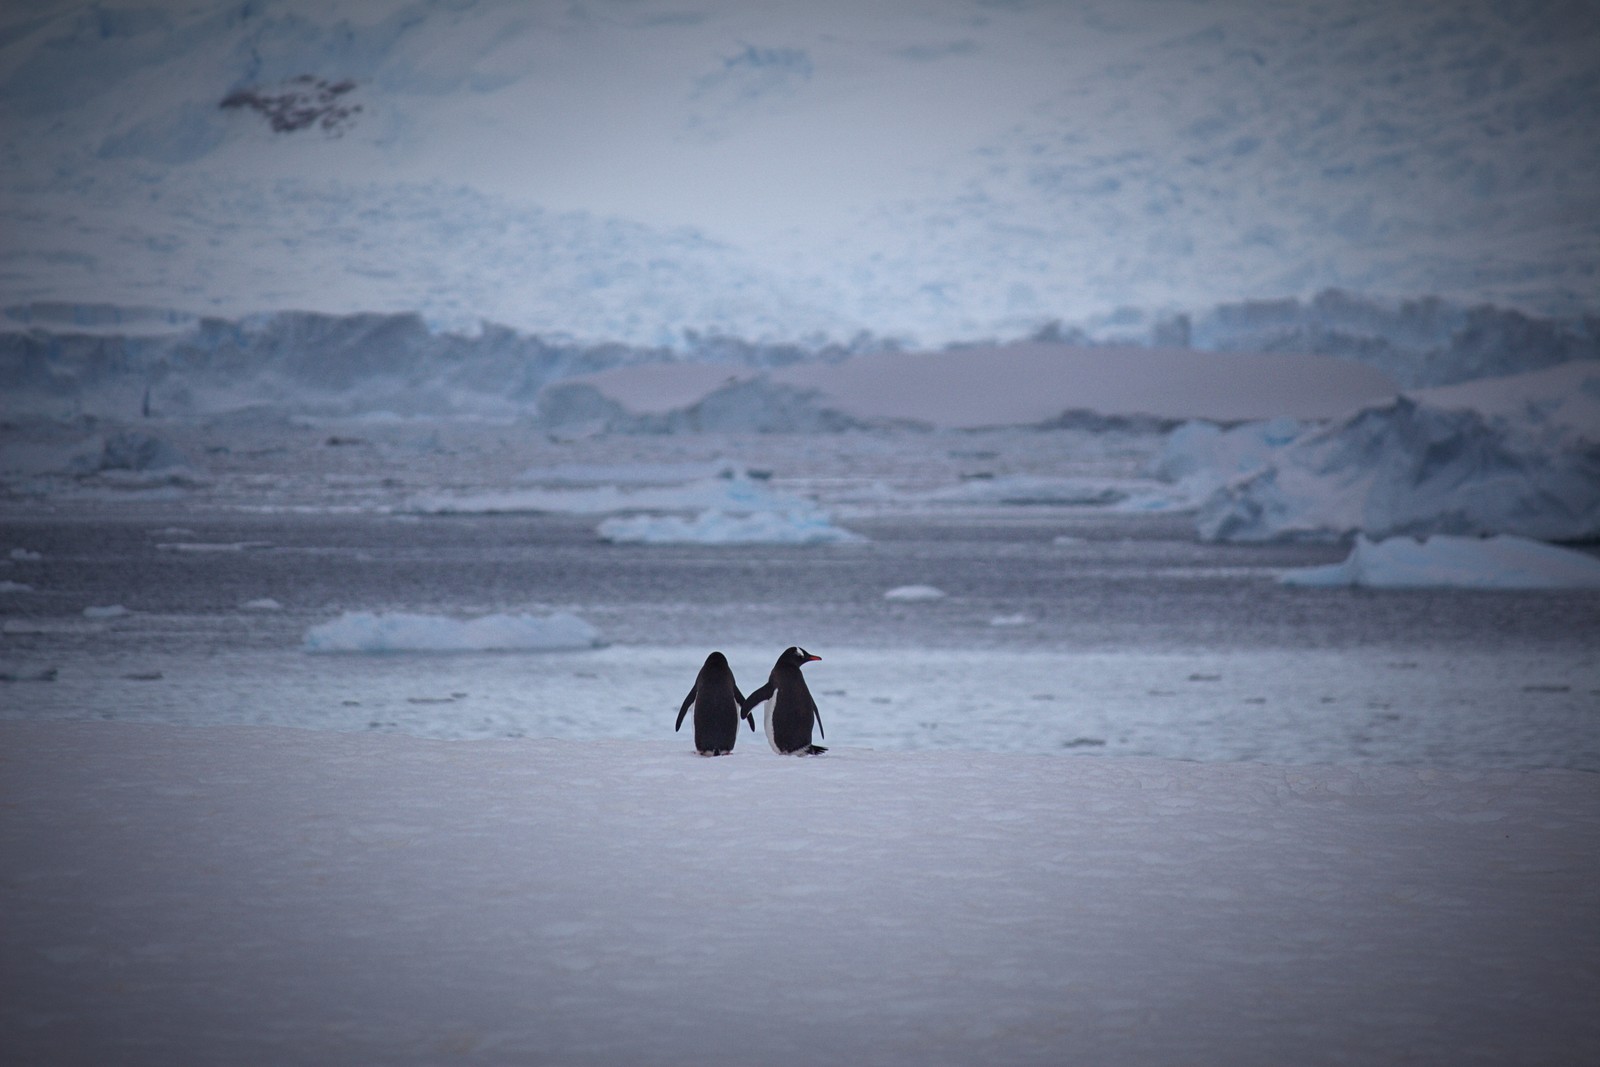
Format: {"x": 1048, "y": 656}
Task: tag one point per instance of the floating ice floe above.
{"x": 715, "y": 527}
{"x": 914, "y": 592}
{"x": 1445, "y": 561}
{"x": 107, "y": 611}
{"x": 15, "y": 587}
{"x": 212, "y": 546}
{"x": 23, "y": 555}
{"x": 264, "y": 603}
{"x": 730, "y": 494}
{"x": 1019, "y": 619}
{"x": 1517, "y": 455}
{"x": 361, "y": 631}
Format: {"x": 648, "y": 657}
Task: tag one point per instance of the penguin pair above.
{"x": 718, "y": 706}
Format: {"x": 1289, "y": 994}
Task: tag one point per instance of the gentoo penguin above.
{"x": 790, "y": 709}
{"x": 717, "y": 704}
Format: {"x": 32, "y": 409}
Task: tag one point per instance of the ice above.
{"x": 798, "y": 182}
{"x": 23, "y": 555}
{"x": 405, "y": 901}
{"x": 715, "y": 527}
{"x": 631, "y": 474}
{"x": 361, "y": 631}
{"x": 265, "y": 603}
{"x": 1017, "y": 619}
{"x": 1518, "y": 455}
{"x": 1443, "y": 561}
{"x": 7, "y": 586}
{"x": 914, "y": 592}
{"x": 1202, "y": 456}
{"x": 106, "y": 611}
{"x": 734, "y": 494}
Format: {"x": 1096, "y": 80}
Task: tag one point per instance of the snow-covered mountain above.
{"x": 928, "y": 169}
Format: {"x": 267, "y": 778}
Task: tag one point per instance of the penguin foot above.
{"x": 812, "y": 750}
{"x": 714, "y": 751}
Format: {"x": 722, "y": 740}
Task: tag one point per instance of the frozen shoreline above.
{"x": 251, "y": 895}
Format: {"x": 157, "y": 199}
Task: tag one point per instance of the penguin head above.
{"x": 716, "y": 659}
{"x": 796, "y": 656}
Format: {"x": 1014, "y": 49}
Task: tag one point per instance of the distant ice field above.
{"x": 1065, "y": 630}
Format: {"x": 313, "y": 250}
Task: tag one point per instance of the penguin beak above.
{"x": 812, "y": 659}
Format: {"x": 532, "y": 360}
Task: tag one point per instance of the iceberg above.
{"x": 1517, "y": 455}
{"x": 914, "y": 592}
{"x": 361, "y": 631}
{"x": 1448, "y": 562}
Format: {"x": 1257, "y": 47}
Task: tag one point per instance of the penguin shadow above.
{"x": 789, "y": 711}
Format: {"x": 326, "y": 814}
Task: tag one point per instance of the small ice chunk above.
{"x": 264, "y": 603}
{"x": 109, "y": 611}
{"x": 1447, "y": 561}
{"x": 15, "y": 587}
{"x": 361, "y": 631}
{"x": 23, "y": 555}
{"x": 914, "y": 592}
{"x": 716, "y": 527}
{"x": 1018, "y": 619}
{"x": 212, "y": 546}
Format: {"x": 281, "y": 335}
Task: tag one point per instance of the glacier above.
{"x": 789, "y": 175}
{"x": 68, "y": 359}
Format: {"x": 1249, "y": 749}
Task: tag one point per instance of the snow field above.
{"x": 251, "y": 895}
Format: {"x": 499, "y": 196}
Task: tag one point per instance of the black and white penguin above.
{"x": 790, "y": 708}
{"x": 718, "y": 705}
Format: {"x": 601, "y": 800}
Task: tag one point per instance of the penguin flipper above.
{"x": 687, "y": 702}
{"x": 818, "y": 716}
{"x": 755, "y": 698}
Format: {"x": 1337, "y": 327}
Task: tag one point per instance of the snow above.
{"x": 1443, "y": 561}
{"x": 1518, "y": 455}
{"x": 914, "y": 592}
{"x": 925, "y": 168}
{"x": 716, "y": 527}
{"x": 362, "y": 631}
{"x": 407, "y": 901}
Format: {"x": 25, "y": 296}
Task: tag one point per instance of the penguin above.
{"x": 718, "y": 706}
{"x": 790, "y": 708}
